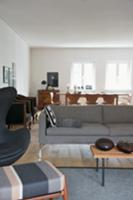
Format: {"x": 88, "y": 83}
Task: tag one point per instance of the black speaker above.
{"x": 52, "y": 79}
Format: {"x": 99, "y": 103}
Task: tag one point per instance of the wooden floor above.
{"x": 67, "y": 155}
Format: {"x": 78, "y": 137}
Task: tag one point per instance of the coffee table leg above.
{"x": 103, "y": 171}
{"x": 97, "y": 164}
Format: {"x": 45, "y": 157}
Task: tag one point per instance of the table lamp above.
{"x": 43, "y": 82}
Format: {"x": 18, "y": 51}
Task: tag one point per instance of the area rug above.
{"x": 85, "y": 184}
{"x": 66, "y": 155}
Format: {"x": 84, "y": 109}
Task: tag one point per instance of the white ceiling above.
{"x": 71, "y": 23}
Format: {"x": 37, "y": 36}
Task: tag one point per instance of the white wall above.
{"x": 60, "y": 60}
{"x": 14, "y": 49}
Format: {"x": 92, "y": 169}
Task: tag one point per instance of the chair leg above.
{"x": 65, "y": 194}
{"x": 34, "y": 118}
{"x": 8, "y": 126}
{"x": 28, "y": 125}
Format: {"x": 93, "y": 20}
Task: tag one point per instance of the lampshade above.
{"x": 43, "y": 82}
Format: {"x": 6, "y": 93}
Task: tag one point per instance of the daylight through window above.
{"x": 118, "y": 76}
{"x": 83, "y": 76}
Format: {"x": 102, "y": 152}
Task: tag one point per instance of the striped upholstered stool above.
{"x": 40, "y": 180}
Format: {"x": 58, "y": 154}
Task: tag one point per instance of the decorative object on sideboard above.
{"x": 68, "y": 88}
{"x": 43, "y": 82}
{"x": 104, "y": 144}
{"x": 88, "y": 88}
{"x": 125, "y": 146}
{"x": 75, "y": 89}
{"x": 82, "y": 89}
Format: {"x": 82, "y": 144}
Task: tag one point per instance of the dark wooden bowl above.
{"x": 126, "y": 147}
{"x": 104, "y": 144}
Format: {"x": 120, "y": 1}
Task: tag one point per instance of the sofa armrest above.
{"x": 42, "y": 127}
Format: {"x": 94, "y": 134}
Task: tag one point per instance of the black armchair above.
{"x": 13, "y": 144}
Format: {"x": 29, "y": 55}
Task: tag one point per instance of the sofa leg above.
{"x": 40, "y": 152}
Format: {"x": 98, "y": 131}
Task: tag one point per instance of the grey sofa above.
{"x": 114, "y": 122}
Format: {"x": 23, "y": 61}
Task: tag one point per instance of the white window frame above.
{"x": 118, "y": 62}
{"x": 82, "y": 74}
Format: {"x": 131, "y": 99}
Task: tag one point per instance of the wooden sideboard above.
{"x": 46, "y": 97}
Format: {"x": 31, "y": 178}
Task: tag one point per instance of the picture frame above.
{"x": 53, "y": 79}
{"x": 6, "y": 74}
{"x": 12, "y": 75}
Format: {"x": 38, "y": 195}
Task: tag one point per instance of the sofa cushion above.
{"x": 92, "y": 129}
{"x": 68, "y": 123}
{"x": 121, "y": 129}
{"x": 91, "y": 113}
{"x": 118, "y": 114}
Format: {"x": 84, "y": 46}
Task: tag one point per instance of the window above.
{"x": 83, "y": 75}
{"x": 118, "y": 76}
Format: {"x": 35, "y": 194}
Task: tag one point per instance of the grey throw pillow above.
{"x": 67, "y": 122}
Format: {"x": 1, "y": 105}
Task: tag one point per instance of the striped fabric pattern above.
{"x": 30, "y": 180}
{"x": 51, "y": 115}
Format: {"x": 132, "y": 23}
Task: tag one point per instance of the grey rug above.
{"x": 78, "y": 155}
{"x": 85, "y": 184}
